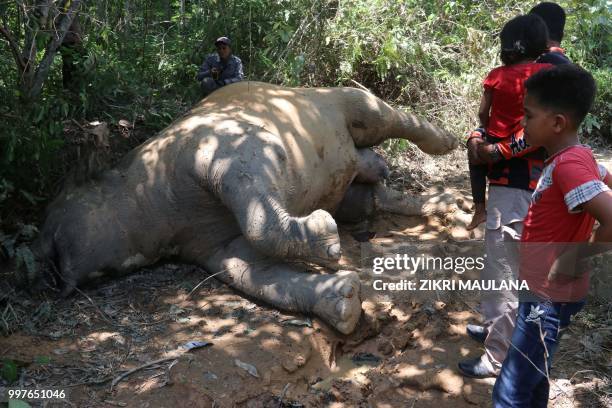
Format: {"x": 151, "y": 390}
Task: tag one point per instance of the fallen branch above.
{"x": 132, "y": 371}
{"x": 100, "y": 312}
{"x": 90, "y": 382}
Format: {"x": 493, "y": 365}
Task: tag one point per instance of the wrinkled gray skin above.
{"x": 242, "y": 185}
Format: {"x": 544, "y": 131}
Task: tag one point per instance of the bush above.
{"x": 141, "y": 58}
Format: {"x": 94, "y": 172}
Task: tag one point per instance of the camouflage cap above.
{"x": 223, "y": 40}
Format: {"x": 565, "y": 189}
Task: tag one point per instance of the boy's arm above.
{"x": 600, "y": 207}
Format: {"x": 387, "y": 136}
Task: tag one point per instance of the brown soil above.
{"x": 85, "y": 342}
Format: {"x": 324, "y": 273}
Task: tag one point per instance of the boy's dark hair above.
{"x": 554, "y": 17}
{"x": 566, "y": 88}
{"x": 523, "y": 37}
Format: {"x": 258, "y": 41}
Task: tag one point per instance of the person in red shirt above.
{"x": 572, "y": 193}
{"x": 506, "y": 208}
{"x": 523, "y": 39}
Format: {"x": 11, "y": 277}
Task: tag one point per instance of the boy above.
{"x": 554, "y": 17}
{"x": 571, "y": 194}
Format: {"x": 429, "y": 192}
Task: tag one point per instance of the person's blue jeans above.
{"x": 522, "y": 381}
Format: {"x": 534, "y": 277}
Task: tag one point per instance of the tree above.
{"x": 40, "y": 24}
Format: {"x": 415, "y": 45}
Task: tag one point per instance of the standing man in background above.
{"x": 73, "y": 53}
{"x": 554, "y": 17}
{"x": 220, "y": 69}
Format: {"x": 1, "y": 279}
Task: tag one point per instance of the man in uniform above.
{"x": 220, "y": 69}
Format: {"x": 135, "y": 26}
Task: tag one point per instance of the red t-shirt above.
{"x": 555, "y": 220}
{"x": 507, "y": 84}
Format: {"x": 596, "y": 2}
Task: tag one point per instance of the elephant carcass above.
{"x": 243, "y": 184}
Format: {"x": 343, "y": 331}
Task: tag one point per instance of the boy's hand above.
{"x": 475, "y": 138}
{"x": 567, "y": 264}
{"x": 570, "y": 263}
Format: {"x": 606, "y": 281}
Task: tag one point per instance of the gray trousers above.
{"x": 208, "y": 85}
{"x": 506, "y": 209}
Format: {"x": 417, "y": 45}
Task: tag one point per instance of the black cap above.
{"x": 223, "y": 40}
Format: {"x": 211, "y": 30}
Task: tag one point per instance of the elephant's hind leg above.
{"x": 334, "y": 298}
{"x": 371, "y": 121}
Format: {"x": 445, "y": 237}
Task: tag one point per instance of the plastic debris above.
{"x": 298, "y": 322}
{"x": 247, "y": 367}
{"x": 195, "y": 344}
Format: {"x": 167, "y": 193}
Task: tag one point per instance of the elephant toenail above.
{"x": 347, "y": 291}
{"x": 334, "y": 251}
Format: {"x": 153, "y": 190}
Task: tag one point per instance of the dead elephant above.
{"x": 243, "y": 184}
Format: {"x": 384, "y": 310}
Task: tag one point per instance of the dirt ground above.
{"x": 403, "y": 354}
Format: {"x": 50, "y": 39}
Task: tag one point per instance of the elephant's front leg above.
{"x": 362, "y": 200}
{"x": 333, "y": 298}
{"x": 253, "y": 186}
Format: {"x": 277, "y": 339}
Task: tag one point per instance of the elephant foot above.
{"x": 332, "y": 297}
{"x": 338, "y": 302}
{"x": 324, "y": 241}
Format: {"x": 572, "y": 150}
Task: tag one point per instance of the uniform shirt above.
{"x": 231, "y": 71}
{"x": 555, "y": 56}
{"x": 555, "y": 220}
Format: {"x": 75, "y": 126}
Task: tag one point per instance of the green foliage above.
{"x": 588, "y": 40}
{"x": 18, "y": 404}
{"x": 43, "y": 360}
{"x": 140, "y": 58}
{"x": 9, "y": 371}
{"x": 16, "y": 247}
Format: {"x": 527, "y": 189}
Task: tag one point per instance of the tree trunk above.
{"x": 33, "y": 90}
{"x": 128, "y": 16}
{"x": 182, "y": 12}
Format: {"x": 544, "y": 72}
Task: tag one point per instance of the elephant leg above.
{"x": 362, "y": 200}
{"x": 253, "y": 190}
{"x": 371, "y": 167}
{"x": 333, "y": 298}
{"x": 358, "y": 203}
{"x": 392, "y": 201}
{"x": 371, "y": 121}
